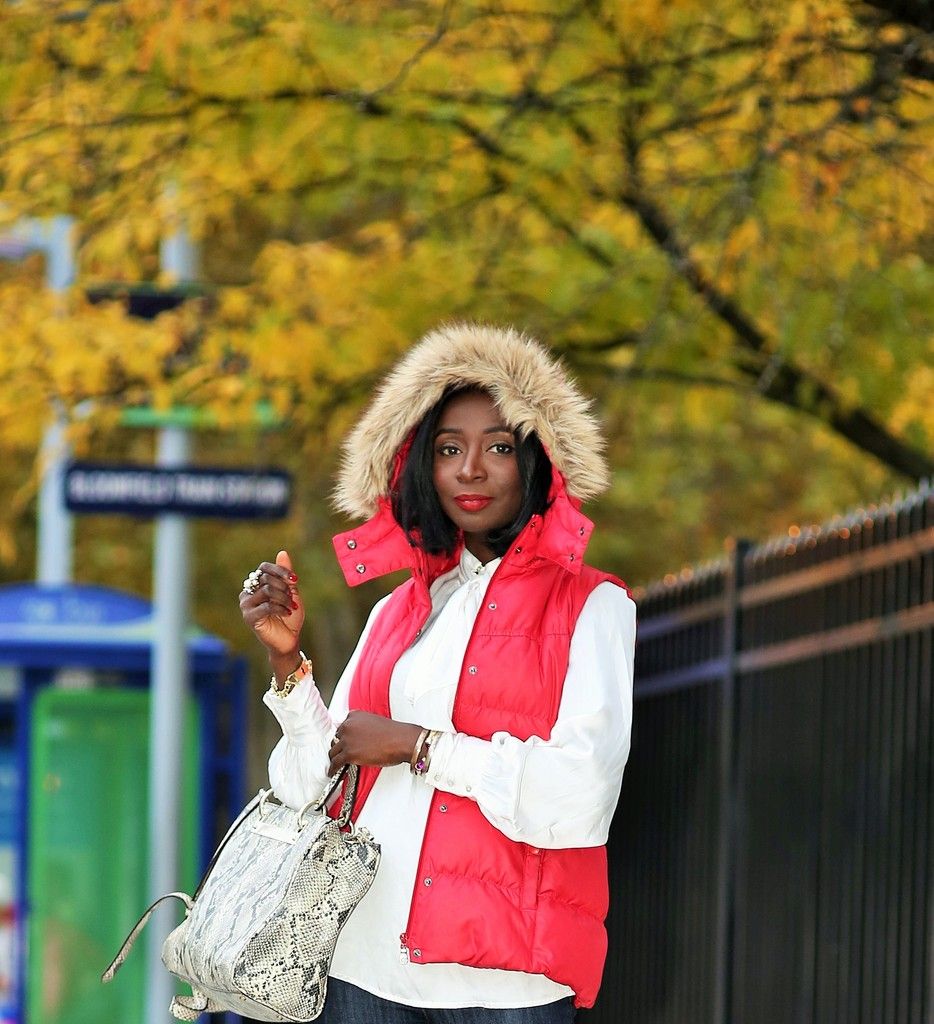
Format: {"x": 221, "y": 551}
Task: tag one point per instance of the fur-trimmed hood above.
{"x": 531, "y": 389}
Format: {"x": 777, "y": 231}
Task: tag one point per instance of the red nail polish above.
{"x": 288, "y": 611}
{"x": 295, "y": 605}
{"x": 293, "y": 577}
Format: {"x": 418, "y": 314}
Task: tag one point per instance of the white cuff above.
{"x": 302, "y": 714}
{"x": 456, "y": 764}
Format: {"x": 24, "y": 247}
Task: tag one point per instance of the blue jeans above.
{"x": 347, "y": 1004}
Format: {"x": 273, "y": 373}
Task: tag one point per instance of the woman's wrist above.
{"x": 420, "y": 758}
{"x": 284, "y": 665}
{"x": 409, "y": 734}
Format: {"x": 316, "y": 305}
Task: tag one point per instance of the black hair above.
{"x": 415, "y": 503}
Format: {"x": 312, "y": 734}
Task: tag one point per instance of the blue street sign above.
{"x": 184, "y": 490}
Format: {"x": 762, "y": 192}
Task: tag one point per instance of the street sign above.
{"x": 184, "y": 490}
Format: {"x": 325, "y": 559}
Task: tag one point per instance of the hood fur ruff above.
{"x": 531, "y": 389}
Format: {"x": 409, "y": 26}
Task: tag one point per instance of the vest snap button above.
{"x": 492, "y": 606}
{"x": 581, "y": 531}
{"x": 443, "y": 808}
{"x": 572, "y": 556}
{"x": 351, "y": 544}
{"x": 427, "y": 881}
{"x": 416, "y": 952}
{"x": 519, "y": 550}
{"x": 361, "y": 568}
{"x": 472, "y": 670}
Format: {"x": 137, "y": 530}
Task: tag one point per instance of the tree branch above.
{"x": 663, "y": 374}
{"x": 788, "y": 385}
{"x": 919, "y": 13}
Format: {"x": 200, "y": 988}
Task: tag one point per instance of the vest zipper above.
{"x": 358, "y": 806}
{"x": 404, "y": 958}
{"x": 435, "y": 796}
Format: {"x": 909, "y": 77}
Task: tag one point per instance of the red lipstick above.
{"x": 472, "y": 502}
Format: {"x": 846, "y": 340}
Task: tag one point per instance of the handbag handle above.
{"x": 350, "y": 795}
{"x": 351, "y": 773}
{"x": 241, "y": 818}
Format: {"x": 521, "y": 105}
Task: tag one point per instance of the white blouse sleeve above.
{"x": 560, "y": 792}
{"x": 299, "y": 762}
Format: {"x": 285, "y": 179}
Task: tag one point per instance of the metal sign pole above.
{"x": 55, "y": 533}
{"x": 169, "y": 685}
{"x": 169, "y": 689}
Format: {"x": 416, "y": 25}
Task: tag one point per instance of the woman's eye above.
{"x": 502, "y": 448}
{"x": 447, "y": 449}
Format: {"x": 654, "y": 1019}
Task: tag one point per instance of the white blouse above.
{"x": 530, "y": 790}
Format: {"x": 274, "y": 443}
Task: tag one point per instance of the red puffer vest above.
{"x": 480, "y": 898}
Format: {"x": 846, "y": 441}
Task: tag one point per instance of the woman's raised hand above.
{"x": 274, "y": 609}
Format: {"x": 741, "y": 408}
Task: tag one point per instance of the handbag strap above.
{"x": 182, "y": 1007}
{"x": 350, "y": 792}
{"x": 350, "y": 772}
{"x": 124, "y": 951}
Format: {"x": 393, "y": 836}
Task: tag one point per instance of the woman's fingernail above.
{"x": 288, "y": 611}
{"x": 293, "y": 577}
{"x": 295, "y": 605}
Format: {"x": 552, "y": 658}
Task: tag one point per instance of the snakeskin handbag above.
{"x": 260, "y": 931}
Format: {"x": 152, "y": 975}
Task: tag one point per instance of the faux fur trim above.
{"x": 531, "y": 388}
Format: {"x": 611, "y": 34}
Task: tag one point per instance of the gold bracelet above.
{"x": 292, "y": 680}
{"x": 433, "y": 738}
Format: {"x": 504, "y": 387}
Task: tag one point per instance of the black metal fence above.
{"x": 772, "y": 858}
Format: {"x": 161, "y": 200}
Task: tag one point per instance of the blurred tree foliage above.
{"x": 719, "y": 212}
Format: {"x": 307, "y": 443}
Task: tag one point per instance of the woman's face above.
{"x": 476, "y": 472}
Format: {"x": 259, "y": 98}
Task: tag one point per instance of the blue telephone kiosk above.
{"x": 74, "y": 711}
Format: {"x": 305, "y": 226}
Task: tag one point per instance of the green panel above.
{"x": 88, "y": 848}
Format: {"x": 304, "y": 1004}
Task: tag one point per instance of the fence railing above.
{"x": 772, "y": 858}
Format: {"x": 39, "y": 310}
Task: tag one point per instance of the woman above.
{"x": 489, "y": 698}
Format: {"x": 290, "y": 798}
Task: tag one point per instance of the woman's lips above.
{"x": 472, "y": 502}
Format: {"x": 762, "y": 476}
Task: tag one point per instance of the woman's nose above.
{"x": 471, "y": 468}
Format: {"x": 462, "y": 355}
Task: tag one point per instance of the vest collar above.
{"x": 380, "y": 546}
